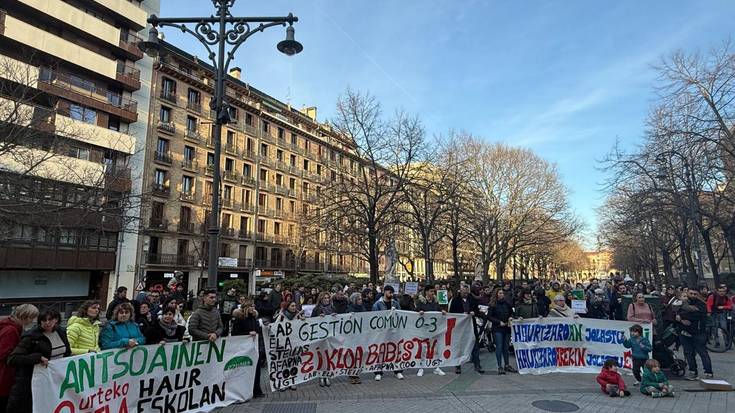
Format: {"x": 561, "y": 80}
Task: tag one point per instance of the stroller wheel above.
{"x": 678, "y": 368}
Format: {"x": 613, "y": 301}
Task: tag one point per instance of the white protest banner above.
{"x": 175, "y": 377}
{"x": 307, "y": 309}
{"x": 571, "y": 345}
{"x": 411, "y": 288}
{"x": 351, "y": 344}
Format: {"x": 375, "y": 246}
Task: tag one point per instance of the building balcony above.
{"x": 187, "y": 196}
{"x": 194, "y": 136}
{"x": 190, "y": 165}
{"x": 194, "y": 106}
{"x": 170, "y": 259}
{"x": 229, "y": 203}
{"x": 282, "y": 166}
{"x": 186, "y": 228}
{"x": 209, "y": 170}
{"x": 117, "y": 178}
{"x": 30, "y": 254}
{"x": 228, "y": 232}
{"x": 93, "y": 134}
{"x": 252, "y": 130}
{"x": 248, "y": 180}
{"x": 247, "y": 208}
{"x": 265, "y": 186}
{"x": 129, "y": 42}
{"x": 168, "y": 96}
{"x": 161, "y": 190}
{"x": 168, "y": 127}
{"x": 249, "y": 154}
{"x": 231, "y": 176}
{"x": 231, "y": 148}
{"x": 245, "y": 262}
{"x": 158, "y": 224}
{"x": 63, "y": 85}
{"x": 281, "y": 190}
{"x": 129, "y": 76}
{"x": 162, "y": 157}
{"x": 244, "y": 234}
{"x": 265, "y": 160}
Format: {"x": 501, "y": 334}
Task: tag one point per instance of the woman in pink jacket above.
{"x": 641, "y": 312}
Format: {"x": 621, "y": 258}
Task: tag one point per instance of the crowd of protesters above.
{"x": 157, "y": 317}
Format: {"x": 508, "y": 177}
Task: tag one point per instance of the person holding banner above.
{"x": 324, "y": 306}
{"x": 205, "y": 322}
{"x": 245, "y": 322}
{"x": 45, "y": 342}
{"x": 559, "y": 308}
{"x": 387, "y": 302}
{"x": 465, "y": 303}
{"x": 83, "y": 329}
{"x": 500, "y": 312}
{"x": 10, "y": 333}
{"x": 428, "y": 302}
{"x": 122, "y": 331}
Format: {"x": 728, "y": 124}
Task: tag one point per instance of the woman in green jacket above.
{"x": 654, "y": 381}
{"x": 83, "y": 329}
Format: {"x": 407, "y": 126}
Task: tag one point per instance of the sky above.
{"x": 566, "y": 79}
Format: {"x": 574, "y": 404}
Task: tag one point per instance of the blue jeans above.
{"x": 696, "y": 345}
{"x": 502, "y": 344}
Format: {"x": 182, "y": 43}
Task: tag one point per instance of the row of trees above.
{"x": 449, "y": 197}
{"x": 671, "y": 202}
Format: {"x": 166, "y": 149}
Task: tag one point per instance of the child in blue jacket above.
{"x": 640, "y": 347}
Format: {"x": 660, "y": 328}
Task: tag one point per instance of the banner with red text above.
{"x": 175, "y": 377}
{"x": 571, "y": 345}
{"x": 352, "y": 344}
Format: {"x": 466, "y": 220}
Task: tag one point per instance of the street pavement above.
{"x": 471, "y": 392}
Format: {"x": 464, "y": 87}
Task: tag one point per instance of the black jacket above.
{"x": 26, "y": 355}
{"x": 697, "y": 318}
{"x": 154, "y": 334}
{"x": 457, "y": 307}
{"x": 265, "y": 309}
{"x": 428, "y": 306}
{"x": 501, "y": 312}
{"x": 114, "y": 303}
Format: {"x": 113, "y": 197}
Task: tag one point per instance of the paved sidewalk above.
{"x": 471, "y": 392}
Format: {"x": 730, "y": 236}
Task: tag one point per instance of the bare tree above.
{"x": 366, "y": 209}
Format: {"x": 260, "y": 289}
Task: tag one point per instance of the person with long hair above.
{"x": 245, "y": 322}
{"x": 323, "y": 306}
{"x": 37, "y": 347}
{"x": 500, "y": 312}
{"x": 692, "y": 318}
{"x": 10, "y": 333}
{"x": 83, "y": 329}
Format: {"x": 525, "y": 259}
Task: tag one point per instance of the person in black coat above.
{"x": 245, "y": 322}
{"x": 38, "y": 346}
{"x": 465, "y": 303}
{"x": 500, "y": 312}
{"x": 265, "y": 307}
{"x": 165, "y": 329}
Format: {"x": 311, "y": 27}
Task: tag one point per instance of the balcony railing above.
{"x": 244, "y": 234}
{"x": 209, "y": 170}
{"x": 170, "y": 259}
{"x": 231, "y": 148}
{"x": 193, "y": 135}
{"x": 282, "y": 166}
{"x": 194, "y": 106}
{"x": 168, "y": 127}
{"x": 281, "y": 190}
{"x": 231, "y": 176}
{"x": 129, "y": 41}
{"x": 158, "y": 223}
{"x": 249, "y": 154}
{"x": 163, "y": 157}
{"x": 168, "y": 95}
{"x": 161, "y": 190}
{"x": 265, "y": 160}
{"x": 67, "y": 83}
{"x": 128, "y": 75}
{"x": 187, "y": 196}
{"x": 227, "y": 232}
{"x": 187, "y": 228}
{"x": 248, "y": 208}
{"x": 190, "y": 164}
{"x": 245, "y": 262}
{"x": 251, "y": 129}
{"x": 248, "y": 180}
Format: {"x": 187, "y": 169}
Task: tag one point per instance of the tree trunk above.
{"x": 455, "y": 257}
{"x": 668, "y": 266}
{"x": 711, "y": 257}
{"x": 373, "y": 257}
{"x": 427, "y": 261}
{"x": 729, "y": 233}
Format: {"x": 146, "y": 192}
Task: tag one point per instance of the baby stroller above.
{"x": 485, "y": 335}
{"x": 666, "y": 357}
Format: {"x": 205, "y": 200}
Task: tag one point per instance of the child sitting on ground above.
{"x": 654, "y": 382}
{"x": 611, "y": 382}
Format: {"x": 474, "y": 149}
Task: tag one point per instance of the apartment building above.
{"x": 81, "y": 115}
{"x": 275, "y": 161}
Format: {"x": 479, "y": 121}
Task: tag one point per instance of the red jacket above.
{"x": 9, "y": 339}
{"x": 714, "y": 301}
{"x": 610, "y": 377}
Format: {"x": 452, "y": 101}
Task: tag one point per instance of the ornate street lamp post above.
{"x": 222, "y": 37}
